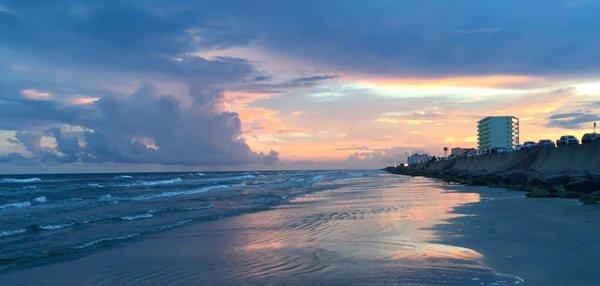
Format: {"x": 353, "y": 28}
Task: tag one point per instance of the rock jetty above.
{"x": 563, "y": 172}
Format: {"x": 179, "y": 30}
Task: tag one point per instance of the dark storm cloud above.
{"x": 428, "y": 37}
{"x": 265, "y": 85}
{"x": 63, "y": 48}
{"x": 311, "y": 80}
{"x": 575, "y": 120}
{"x": 87, "y": 48}
{"x": 143, "y": 128}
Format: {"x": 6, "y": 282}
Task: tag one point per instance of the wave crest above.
{"x": 16, "y": 180}
{"x": 15, "y": 205}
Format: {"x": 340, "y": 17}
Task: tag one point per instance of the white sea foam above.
{"x": 94, "y": 242}
{"x": 4, "y": 233}
{"x": 136, "y": 217}
{"x": 124, "y": 177}
{"x": 56, "y": 226}
{"x": 28, "y": 180}
{"x": 95, "y": 185}
{"x": 199, "y": 174}
{"x": 244, "y": 177}
{"x": 110, "y": 198}
{"x": 165, "y": 227}
{"x": 318, "y": 177}
{"x": 161, "y": 182}
{"x": 15, "y": 205}
{"x": 175, "y": 193}
{"x": 152, "y": 183}
{"x": 41, "y": 199}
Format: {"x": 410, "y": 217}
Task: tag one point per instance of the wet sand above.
{"x": 398, "y": 231}
{"x": 544, "y": 241}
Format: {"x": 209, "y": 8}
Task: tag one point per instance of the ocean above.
{"x": 49, "y": 217}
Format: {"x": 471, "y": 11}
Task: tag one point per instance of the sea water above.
{"x": 45, "y": 217}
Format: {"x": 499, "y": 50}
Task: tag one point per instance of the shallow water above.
{"x": 365, "y": 228}
{"x": 48, "y": 216}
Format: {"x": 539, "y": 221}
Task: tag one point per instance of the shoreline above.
{"x": 379, "y": 233}
{"x": 582, "y": 185}
{"x": 544, "y": 241}
{"x": 396, "y": 230}
{"x": 563, "y": 172}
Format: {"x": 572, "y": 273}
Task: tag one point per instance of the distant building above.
{"x": 497, "y": 132}
{"x": 416, "y": 159}
{"x": 462, "y": 152}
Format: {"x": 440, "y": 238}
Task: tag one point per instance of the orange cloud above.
{"x": 35, "y": 94}
{"x": 485, "y": 81}
{"x": 82, "y": 100}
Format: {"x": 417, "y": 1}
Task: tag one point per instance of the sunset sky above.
{"x": 178, "y": 85}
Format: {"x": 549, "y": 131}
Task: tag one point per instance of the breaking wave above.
{"x": 5, "y": 233}
{"x": 136, "y": 217}
{"x": 15, "y": 205}
{"x": 161, "y": 182}
{"x": 124, "y": 177}
{"x": 163, "y": 195}
{"x": 152, "y": 183}
{"x": 14, "y": 180}
{"x": 70, "y": 213}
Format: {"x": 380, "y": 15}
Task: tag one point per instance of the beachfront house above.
{"x": 461, "y": 152}
{"x": 416, "y": 159}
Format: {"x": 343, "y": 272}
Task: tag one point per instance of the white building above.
{"x": 461, "y": 152}
{"x": 416, "y": 159}
{"x": 497, "y": 132}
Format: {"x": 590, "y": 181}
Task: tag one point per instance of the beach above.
{"x": 388, "y": 230}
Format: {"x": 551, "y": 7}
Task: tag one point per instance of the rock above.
{"x": 592, "y": 198}
{"x": 496, "y": 179}
{"x": 539, "y": 193}
{"x": 583, "y": 185}
{"x": 535, "y": 180}
{"x": 557, "y": 179}
{"x": 516, "y": 178}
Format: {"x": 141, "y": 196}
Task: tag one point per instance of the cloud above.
{"x": 353, "y": 148}
{"x": 261, "y": 85}
{"x": 119, "y": 83}
{"x": 35, "y": 94}
{"x": 420, "y": 38}
{"x": 144, "y": 127}
{"x": 381, "y": 157}
{"x": 575, "y": 120}
{"x": 127, "y": 82}
{"x": 311, "y": 80}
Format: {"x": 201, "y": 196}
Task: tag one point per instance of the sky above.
{"x": 100, "y": 86}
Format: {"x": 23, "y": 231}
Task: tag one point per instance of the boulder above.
{"x": 516, "y": 178}
{"x": 557, "y": 179}
{"x": 583, "y": 185}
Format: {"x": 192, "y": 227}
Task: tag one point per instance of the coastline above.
{"x": 544, "y": 241}
{"x": 582, "y": 185}
{"x": 376, "y": 234}
{"x": 396, "y": 230}
{"x": 564, "y": 172}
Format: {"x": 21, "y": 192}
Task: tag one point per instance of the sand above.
{"x": 399, "y": 231}
{"x": 544, "y": 241}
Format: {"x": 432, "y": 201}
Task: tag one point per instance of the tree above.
{"x": 445, "y": 151}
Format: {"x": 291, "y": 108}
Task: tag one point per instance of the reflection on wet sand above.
{"x": 353, "y": 234}
{"x": 377, "y": 232}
